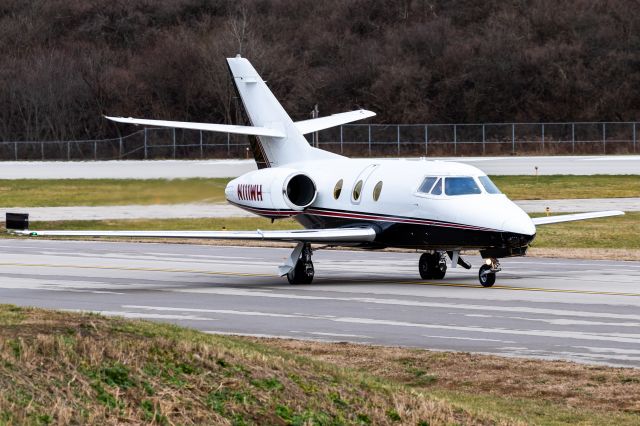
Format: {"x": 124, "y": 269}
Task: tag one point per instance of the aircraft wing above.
{"x": 317, "y": 124}
{"x": 331, "y": 235}
{"x": 223, "y": 128}
{"x": 547, "y": 220}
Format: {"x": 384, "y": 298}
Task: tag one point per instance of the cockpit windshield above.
{"x": 461, "y": 186}
{"x": 489, "y": 186}
{"x": 427, "y": 184}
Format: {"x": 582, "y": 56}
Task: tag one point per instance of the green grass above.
{"x": 108, "y": 192}
{"x": 68, "y": 368}
{"x": 619, "y": 232}
{"x": 105, "y": 192}
{"x": 566, "y": 186}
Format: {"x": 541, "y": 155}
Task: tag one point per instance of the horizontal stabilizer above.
{"x": 223, "y": 128}
{"x": 547, "y": 220}
{"x": 333, "y": 235}
{"x": 317, "y": 124}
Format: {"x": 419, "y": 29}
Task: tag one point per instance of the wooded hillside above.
{"x": 65, "y": 62}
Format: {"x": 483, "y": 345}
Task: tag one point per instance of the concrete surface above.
{"x": 173, "y": 169}
{"x": 190, "y": 211}
{"x": 586, "y": 311}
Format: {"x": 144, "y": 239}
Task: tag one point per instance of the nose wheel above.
{"x": 487, "y": 273}
{"x": 432, "y": 266}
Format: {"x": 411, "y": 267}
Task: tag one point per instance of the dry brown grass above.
{"x": 567, "y": 384}
{"x": 62, "y": 368}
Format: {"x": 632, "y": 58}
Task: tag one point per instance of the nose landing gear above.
{"x": 433, "y": 266}
{"x": 487, "y": 273}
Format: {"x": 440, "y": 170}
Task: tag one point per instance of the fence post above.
{"x": 455, "y": 139}
{"x": 513, "y": 138}
{"x": 16, "y": 150}
{"x": 42, "y": 150}
{"x": 228, "y": 144}
{"x": 341, "y": 140}
{"x": 634, "y": 137}
{"x": 426, "y": 139}
{"x": 145, "y": 143}
{"x": 542, "y": 137}
{"x": 369, "y": 140}
{"x": 573, "y": 138}
{"x": 95, "y": 150}
{"x": 604, "y": 138}
{"x": 398, "y": 138}
{"x": 174, "y": 142}
{"x": 483, "y": 140}
{"x": 68, "y": 151}
{"x": 201, "y": 150}
{"x": 120, "y": 148}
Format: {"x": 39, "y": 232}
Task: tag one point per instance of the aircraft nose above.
{"x": 519, "y": 222}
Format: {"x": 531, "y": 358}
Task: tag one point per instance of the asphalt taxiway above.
{"x": 580, "y": 310}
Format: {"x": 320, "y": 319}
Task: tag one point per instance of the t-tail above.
{"x": 275, "y": 139}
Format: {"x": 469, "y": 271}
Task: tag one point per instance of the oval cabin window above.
{"x": 357, "y": 190}
{"x": 377, "y": 190}
{"x": 337, "y": 190}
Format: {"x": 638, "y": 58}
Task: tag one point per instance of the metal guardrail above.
{"x": 352, "y": 139}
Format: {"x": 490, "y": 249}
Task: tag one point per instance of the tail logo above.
{"x": 250, "y": 192}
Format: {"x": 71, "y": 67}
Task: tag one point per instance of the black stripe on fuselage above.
{"x": 420, "y": 236}
{"x": 402, "y": 231}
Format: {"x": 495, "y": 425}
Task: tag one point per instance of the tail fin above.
{"x": 264, "y": 110}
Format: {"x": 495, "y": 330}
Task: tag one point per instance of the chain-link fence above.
{"x": 357, "y": 140}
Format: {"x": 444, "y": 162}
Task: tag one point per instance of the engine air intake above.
{"x": 300, "y": 191}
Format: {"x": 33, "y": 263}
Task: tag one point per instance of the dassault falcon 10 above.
{"x": 437, "y": 207}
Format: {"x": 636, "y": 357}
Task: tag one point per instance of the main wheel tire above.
{"x": 430, "y": 267}
{"x": 301, "y": 274}
{"x": 424, "y": 266}
{"x": 487, "y": 279}
{"x": 440, "y": 270}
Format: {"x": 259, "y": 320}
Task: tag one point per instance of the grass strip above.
{"x": 618, "y": 232}
{"x": 109, "y": 192}
{"x": 538, "y": 392}
{"x": 106, "y": 192}
{"x": 68, "y": 368}
{"x": 568, "y": 186}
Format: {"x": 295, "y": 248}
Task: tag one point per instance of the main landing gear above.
{"x": 433, "y": 266}
{"x": 487, "y": 273}
{"x": 302, "y": 272}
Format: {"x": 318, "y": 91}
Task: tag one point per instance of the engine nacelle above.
{"x": 273, "y": 192}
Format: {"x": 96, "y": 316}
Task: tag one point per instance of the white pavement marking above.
{"x": 415, "y": 303}
{"x": 560, "y": 334}
{"x": 138, "y": 315}
{"x": 473, "y": 339}
{"x": 320, "y": 333}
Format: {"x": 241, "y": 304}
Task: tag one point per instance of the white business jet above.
{"x": 437, "y": 207}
